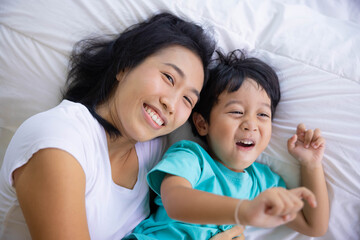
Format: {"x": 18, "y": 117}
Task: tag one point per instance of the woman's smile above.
{"x": 154, "y": 117}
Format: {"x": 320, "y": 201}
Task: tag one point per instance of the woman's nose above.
{"x": 168, "y": 104}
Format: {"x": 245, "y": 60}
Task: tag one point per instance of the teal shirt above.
{"x": 189, "y": 160}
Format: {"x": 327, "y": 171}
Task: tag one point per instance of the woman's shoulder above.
{"x": 67, "y": 126}
{"x": 66, "y": 112}
{"x": 65, "y": 117}
{"x": 59, "y": 127}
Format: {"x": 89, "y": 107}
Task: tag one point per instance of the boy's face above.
{"x": 240, "y": 126}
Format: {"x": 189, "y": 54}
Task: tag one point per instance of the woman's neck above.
{"x": 124, "y": 162}
{"x": 119, "y": 147}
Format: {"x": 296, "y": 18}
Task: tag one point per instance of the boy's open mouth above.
{"x": 245, "y": 143}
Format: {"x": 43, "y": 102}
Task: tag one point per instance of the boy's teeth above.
{"x": 154, "y": 116}
{"x": 246, "y": 142}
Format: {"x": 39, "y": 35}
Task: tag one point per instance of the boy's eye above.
{"x": 264, "y": 115}
{"x": 171, "y": 80}
{"x": 236, "y": 112}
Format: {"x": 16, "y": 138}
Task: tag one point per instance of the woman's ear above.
{"x": 121, "y": 75}
{"x": 200, "y": 124}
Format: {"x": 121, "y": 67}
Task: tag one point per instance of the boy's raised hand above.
{"x": 307, "y": 146}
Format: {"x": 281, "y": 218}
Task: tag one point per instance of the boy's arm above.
{"x": 271, "y": 208}
{"x": 308, "y": 147}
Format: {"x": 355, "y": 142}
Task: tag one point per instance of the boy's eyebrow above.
{"x": 231, "y": 102}
{"x": 266, "y": 105}
{"x": 239, "y": 102}
{"x": 176, "y": 68}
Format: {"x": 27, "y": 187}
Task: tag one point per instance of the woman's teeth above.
{"x": 154, "y": 116}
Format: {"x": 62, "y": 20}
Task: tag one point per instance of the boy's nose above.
{"x": 248, "y": 125}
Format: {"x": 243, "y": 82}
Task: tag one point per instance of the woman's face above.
{"x": 157, "y": 96}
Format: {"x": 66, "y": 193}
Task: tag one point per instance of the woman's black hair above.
{"x": 228, "y": 74}
{"x": 94, "y": 63}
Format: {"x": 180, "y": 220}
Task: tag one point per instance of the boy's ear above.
{"x": 200, "y": 124}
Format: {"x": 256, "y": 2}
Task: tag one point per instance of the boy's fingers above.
{"x": 317, "y": 139}
{"x": 276, "y": 209}
{"x": 297, "y": 203}
{"x": 300, "y": 128}
{"x": 318, "y": 143}
{"x": 291, "y": 141}
{"x": 301, "y": 192}
{"x": 288, "y": 204}
{"x": 308, "y": 137}
{"x": 292, "y": 203}
{"x": 304, "y": 193}
{"x": 281, "y": 204}
{"x": 317, "y": 133}
{"x": 275, "y": 206}
{"x": 311, "y": 199}
{"x": 300, "y": 131}
{"x": 289, "y": 217}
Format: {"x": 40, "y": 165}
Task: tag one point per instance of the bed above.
{"x": 313, "y": 45}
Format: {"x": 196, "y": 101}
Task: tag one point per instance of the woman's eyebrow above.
{"x": 196, "y": 92}
{"x": 176, "y": 68}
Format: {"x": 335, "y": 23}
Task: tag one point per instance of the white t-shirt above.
{"x": 112, "y": 211}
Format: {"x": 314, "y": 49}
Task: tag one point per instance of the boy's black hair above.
{"x": 229, "y": 73}
{"x": 95, "y": 62}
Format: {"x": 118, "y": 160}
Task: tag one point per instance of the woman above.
{"x": 78, "y": 170}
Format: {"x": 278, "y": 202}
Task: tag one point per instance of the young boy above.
{"x": 199, "y": 191}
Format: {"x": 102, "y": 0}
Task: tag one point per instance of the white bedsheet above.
{"x": 313, "y": 45}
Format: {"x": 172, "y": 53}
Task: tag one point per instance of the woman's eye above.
{"x": 188, "y": 100}
{"x": 171, "y": 80}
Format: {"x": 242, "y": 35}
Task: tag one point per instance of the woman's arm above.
{"x": 308, "y": 147}
{"x": 271, "y": 208}
{"x": 51, "y": 193}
